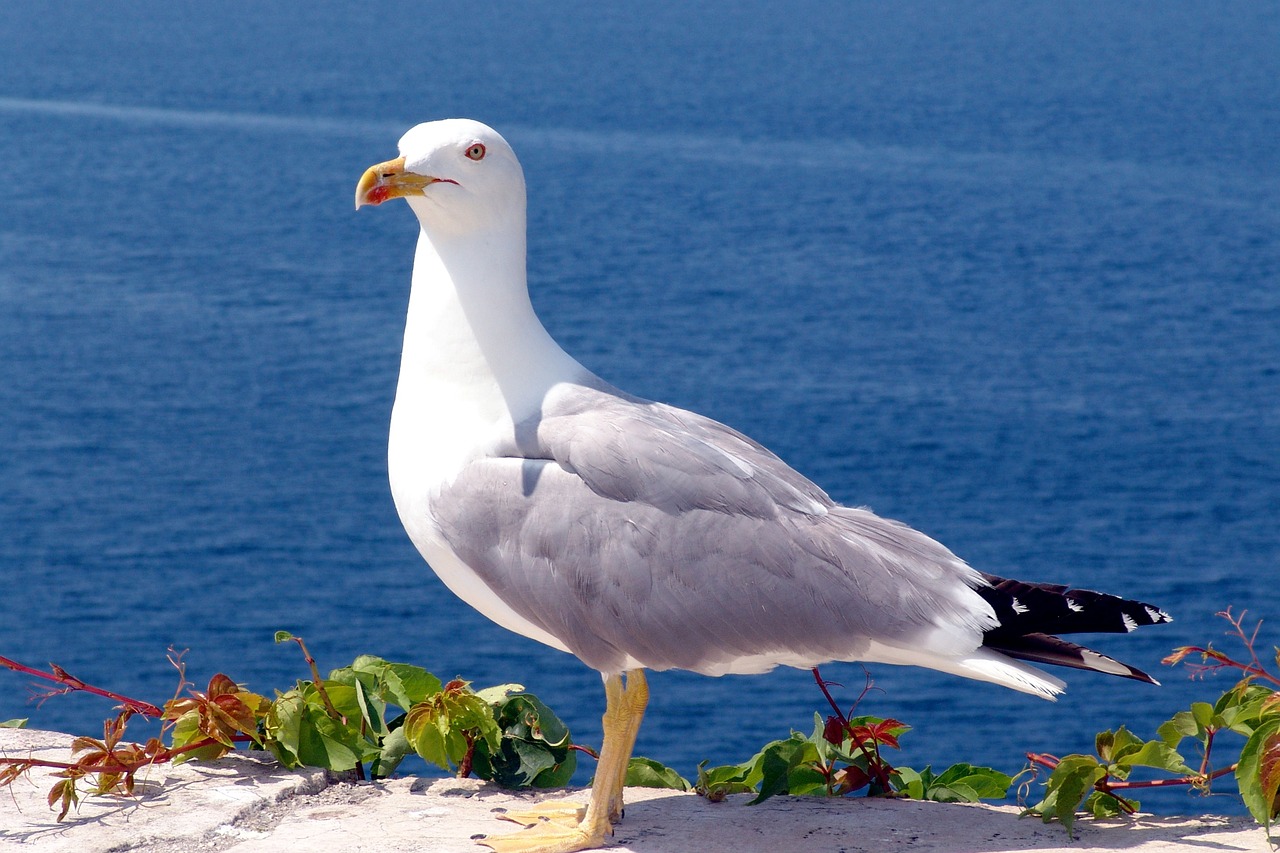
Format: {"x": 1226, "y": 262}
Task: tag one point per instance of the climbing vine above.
{"x": 1102, "y": 784}
{"x": 363, "y": 719}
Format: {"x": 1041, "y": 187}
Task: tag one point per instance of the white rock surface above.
{"x": 247, "y": 804}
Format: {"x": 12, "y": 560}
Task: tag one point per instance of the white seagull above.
{"x": 636, "y": 535}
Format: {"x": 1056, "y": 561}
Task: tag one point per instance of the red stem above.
{"x": 1043, "y": 759}
{"x": 70, "y": 682}
{"x": 318, "y": 681}
{"x": 588, "y": 750}
{"x": 874, "y": 763}
{"x": 822, "y": 685}
{"x": 1208, "y": 745}
{"x": 1161, "y": 783}
{"x": 464, "y": 766}
{"x": 1051, "y": 762}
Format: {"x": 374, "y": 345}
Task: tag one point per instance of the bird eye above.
{"x": 476, "y": 151}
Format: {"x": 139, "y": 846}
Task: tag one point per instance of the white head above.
{"x": 458, "y": 175}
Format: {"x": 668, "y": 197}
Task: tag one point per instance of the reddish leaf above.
{"x": 1269, "y": 771}
{"x": 884, "y": 732}
{"x": 1179, "y": 655}
{"x": 66, "y": 677}
{"x": 66, "y": 792}
{"x": 237, "y": 711}
{"x": 215, "y": 723}
{"x": 175, "y": 708}
{"x": 10, "y": 772}
{"x": 221, "y": 685}
{"x": 106, "y": 782}
{"x": 850, "y": 779}
{"x": 84, "y": 744}
{"x": 833, "y": 731}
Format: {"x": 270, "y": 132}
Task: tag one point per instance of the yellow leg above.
{"x": 563, "y": 830}
{"x": 635, "y": 697}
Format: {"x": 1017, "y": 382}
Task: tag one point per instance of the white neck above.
{"x": 476, "y": 358}
{"x": 476, "y": 362}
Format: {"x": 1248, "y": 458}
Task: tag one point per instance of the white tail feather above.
{"x": 980, "y": 665}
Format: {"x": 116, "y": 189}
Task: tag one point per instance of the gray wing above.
{"x": 640, "y": 533}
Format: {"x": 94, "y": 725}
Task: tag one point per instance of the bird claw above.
{"x": 549, "y": 835}
{"x": 560, "y": 812}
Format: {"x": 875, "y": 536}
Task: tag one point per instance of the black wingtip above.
{"x": 1032, "y": 615}
{"x": 1044, "y": 648}
{"x": 1030, "y": 608}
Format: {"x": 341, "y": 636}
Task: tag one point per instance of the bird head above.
{"x": 457, "y": 175}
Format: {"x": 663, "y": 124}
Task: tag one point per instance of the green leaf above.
{"x": 472, "y": 714}
{"x": 186, "y": 730}
{"x": 807, "y": 781}
{"x": 1202, "y": 713}
{"x": 1102, "y": 805}
{"x": 283, "y": 636}
{"x": 828, "y": 752}
{"x": 345, "y": 701}
{"x": 300, "y": 730}
{"x": 399, "y": 684}
{"x": 395, "y": 746}
{"x": 1113, "y": 746}
{"x": 411, "y": 684}
{"x": 559, "y": 774}
{"x": 534, "y": 747}
{"x": 776, "y": 763}
{"x": 325, "y": 742}
{"x": 1249, "y": 706}
{"x": 647, "y": 773}
{"x": 445, "y": 726}
{"x": 14, "y": 724}
{"x": 283, "y": 727}
{"x": 1102, "y": 743}
{"x": 1159, "y": 755}
{"x": 370, "y": 664}
{"x": 1238, "y": 708}
{"x": 519, "y": 763}
{"x": 1258, "y": 773}
{"x": 718, "y": 782}
{"x": 911, "y": 783}
{"x": 372, "y": 711}
{"x": 1182, "y": 725}
{"x": 354, "y": 697}
{"x": 984, "y": 782}
{"x": 525, "y": 716}
{"x": 1074, "y": 777}
{"x": 427, "y": 738}
{"x": 531, "y": 760}
{"x": 959, "y": 783}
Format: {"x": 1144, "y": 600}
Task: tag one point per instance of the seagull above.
{"x": 636, "y": 535}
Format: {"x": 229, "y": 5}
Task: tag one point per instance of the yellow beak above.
{"x": 389, "y": 180}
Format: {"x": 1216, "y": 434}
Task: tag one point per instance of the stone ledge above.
{"x": 247, "y": 804}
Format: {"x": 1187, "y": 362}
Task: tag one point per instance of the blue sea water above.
{"x": 1007, "y": 272}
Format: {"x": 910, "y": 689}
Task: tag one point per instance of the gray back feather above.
{"x": 630, "y": 529}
